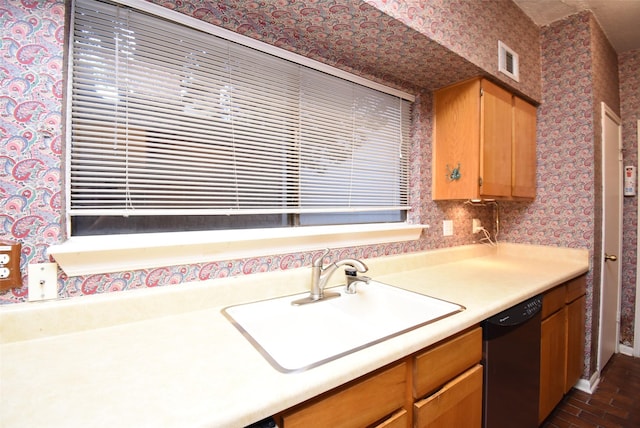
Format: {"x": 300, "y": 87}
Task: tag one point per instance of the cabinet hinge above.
{"x": 480, "y": 181}
{"x": 481, "y": 91}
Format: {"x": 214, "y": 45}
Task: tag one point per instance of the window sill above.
{"x": 87, "y": 255}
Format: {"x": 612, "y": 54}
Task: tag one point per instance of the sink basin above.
{"x": 295, "y": 338}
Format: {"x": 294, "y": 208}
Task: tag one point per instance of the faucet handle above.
{"x": 319, "y": 261}
{"x": 352, "y": 278}
{"x": 350, "y": 272}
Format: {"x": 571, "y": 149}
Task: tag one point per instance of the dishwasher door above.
{"x": 511, "y": 360}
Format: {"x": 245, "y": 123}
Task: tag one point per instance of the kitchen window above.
{"x": 176, "y": 128}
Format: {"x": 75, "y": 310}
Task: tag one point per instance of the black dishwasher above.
{"x": 511, "y": 360}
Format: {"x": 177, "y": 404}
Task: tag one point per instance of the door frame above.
{"x": 606, "y": 111}
{"x": 636, "y": 324}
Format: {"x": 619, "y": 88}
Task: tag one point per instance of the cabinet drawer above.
{"x": 553, "y": 300}
{"x": 458, "y": 404}
{"x": 359, "y": 404}
{"x": 399, "y": 419}
{"x": 445, "y": 361}
{"x": 576, "y": 287}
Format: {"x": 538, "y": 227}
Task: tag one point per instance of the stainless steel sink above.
{"x": 295, "y": 338}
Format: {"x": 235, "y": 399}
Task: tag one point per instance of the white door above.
{"x": 612, "y": 182}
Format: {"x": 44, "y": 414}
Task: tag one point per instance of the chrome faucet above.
{"x": 320, "y": 276}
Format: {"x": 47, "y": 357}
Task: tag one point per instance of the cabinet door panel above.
{"x": 524, "y": 149}
{"x": 358, "y": 405}
{"x": 458, "y": 404}
{"x": 495, "y": 140}
{"x": 575, "y": 341}
{"x": 457, "y": 136}
{"x": 552, "y": 362}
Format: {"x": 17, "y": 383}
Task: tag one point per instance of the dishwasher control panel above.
{"x": 518, "y": 313}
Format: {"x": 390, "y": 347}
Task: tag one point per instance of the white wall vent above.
{"x": 508, "y": 61}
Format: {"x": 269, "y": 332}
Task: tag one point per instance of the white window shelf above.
{"x": 88, "y": 255}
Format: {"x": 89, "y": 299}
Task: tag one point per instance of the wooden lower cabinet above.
{"x": 447, "y": 383}
{"x": 358, "y": 404}
{"x": 440, "y": 386}
{"x": 458, "y": 404}
{"x": 442, "y": 362}
{"x": 552, "y": 362}
{"x": 561, "y": 342}
{"x": 576, "y": 319}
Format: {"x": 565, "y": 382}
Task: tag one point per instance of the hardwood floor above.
{"x": 615, "y": 403}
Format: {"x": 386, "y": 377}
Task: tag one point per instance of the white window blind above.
{"x": 169, "y": 120}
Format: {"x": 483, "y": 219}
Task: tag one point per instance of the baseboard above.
{"x": 588, "y": 386}
{"x": 626, "y": 350}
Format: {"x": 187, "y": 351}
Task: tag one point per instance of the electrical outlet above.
{"x": 476, "y": 226}
{"x": 447, "y": 227}
{"x": 43, "y": 281}
{"x": 10, "y": 276}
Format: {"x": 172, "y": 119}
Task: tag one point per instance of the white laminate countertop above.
{"x": 167, "y": 357}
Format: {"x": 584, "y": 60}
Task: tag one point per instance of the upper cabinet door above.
{"x": 524, "y": 149}
{"x": 495, "y": 141}
{"x": 456, "y": 151}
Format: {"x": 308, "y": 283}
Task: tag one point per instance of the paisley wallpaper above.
{"x": 577, "y": 62}
{"x": 390, "y": 47}
{"x": 629, "y": 66}
{"x": 472, "y": 30}
{"x": 564, "y": 207}
{"x": 31, "y": 126}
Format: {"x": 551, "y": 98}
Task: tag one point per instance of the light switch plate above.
{"x": 43, "y": 281}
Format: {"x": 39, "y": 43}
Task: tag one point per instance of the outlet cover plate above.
{"x": 447, "y": 227}
{"x": 43, "y": 281}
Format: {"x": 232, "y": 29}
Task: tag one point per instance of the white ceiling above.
{"x": 619, "y": 19}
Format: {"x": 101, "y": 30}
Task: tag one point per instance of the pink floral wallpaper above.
{"x": 379, "y": 39}
{"x": 563, "y": 211}
{"x": 472, "y": 29}
{"x": 579, "y": 70}
{"x": 350, "y": 35}
{"x": 31, "y": 128}
{"x": 629, "y": 66}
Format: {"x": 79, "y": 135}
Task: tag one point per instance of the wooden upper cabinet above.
{"x": 484, "y": 143}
